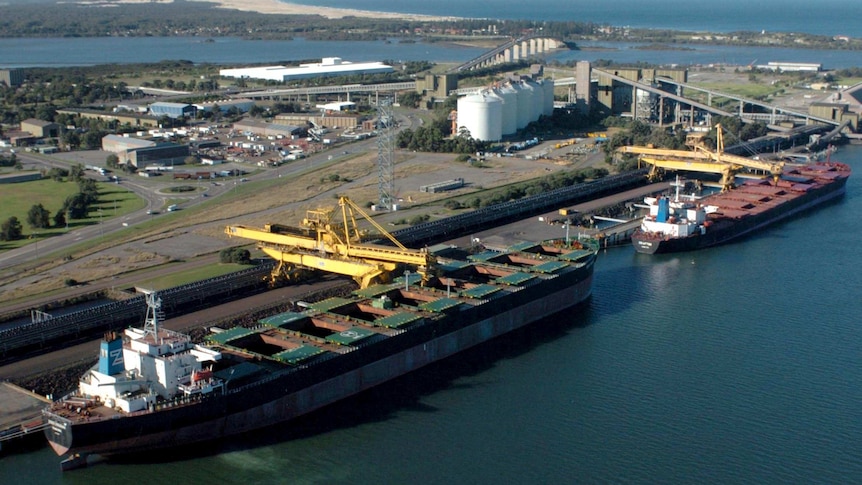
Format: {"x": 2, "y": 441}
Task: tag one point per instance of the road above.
{"x": 155, "y": 200}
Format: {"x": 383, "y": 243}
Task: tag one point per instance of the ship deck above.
{"x": 290, "y": 341}
{"x": 755, "y": 197}
{"x": 340, "y": 325}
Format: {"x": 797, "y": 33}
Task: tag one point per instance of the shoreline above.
{"x": 284, "y": 8}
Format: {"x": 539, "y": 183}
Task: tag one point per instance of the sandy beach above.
{"x": 276, "y": 7}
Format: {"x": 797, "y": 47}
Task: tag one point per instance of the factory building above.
{"x": 346, "y": 121}
{"x": 40, "y": 128}
{"x": 329, "y": 66}
{"x": 505, "y": 108}
{"x": 225, "y": 105}
{"x": 435, "y": 86}
{"x": 261, "y": 128}
{"x": 163, "y": 154}
{"x": 119, "y": 144}
{"x": 141, "y": 153}
{"x": 790, "y": 66}
{"x": 172, "y": 110}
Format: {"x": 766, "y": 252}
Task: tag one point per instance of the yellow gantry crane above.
{"x": 703, "y": 160}
{"x": 324, "y": 244}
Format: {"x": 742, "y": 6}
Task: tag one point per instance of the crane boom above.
{"x": 334, "y": 246}
{"x": 702, "y": 160}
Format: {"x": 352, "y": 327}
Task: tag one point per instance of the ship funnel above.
{"x": 663, "y": 210}
{"x": 111, "y": 354}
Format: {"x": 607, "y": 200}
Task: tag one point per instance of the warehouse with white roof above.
{"x": 329, "y": 66}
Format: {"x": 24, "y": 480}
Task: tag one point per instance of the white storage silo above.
{"x": 510, "y": 108}
{"x": 538, "y": 106}
{"x": 482, "y": 115}
{"x": 548, "y": 84}
{"x": 525, "y": 101}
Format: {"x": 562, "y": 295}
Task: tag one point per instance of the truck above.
{"x": 172, "y": 207}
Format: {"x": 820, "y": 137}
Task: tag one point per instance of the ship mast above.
{"x": 151, "y": 324}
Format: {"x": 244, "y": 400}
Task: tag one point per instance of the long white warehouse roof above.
{"x": 329, "y": 66}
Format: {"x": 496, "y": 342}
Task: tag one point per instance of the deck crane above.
{"x": 323, "y": 243}
{"x": 701, "y": 159}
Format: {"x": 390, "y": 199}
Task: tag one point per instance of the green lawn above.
{"x": 16, "y": 200}
{"x": 745, "y": 90}
{"x": 189, "y": 276}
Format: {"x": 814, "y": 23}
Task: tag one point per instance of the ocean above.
{"x": 824, "y": 17}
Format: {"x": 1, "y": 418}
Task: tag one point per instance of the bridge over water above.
{"x": 513, "y": 51}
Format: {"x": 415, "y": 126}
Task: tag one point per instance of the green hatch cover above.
{"x": 515, "y": 279}
{"x": 230, "y": 334}
{"x": 439, "y": 305}
{"x": 298, "y": 354}
{"x": 480, "y": 291}
{"x": 282, "y": 319}
{"x": 350, "y": 336}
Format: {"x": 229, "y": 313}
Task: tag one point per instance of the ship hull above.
{"x": 727, "y": 230}
{"x": 294, "y": 394}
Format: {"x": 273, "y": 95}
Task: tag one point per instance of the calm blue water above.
{"x": 738, "y": 364}
{"x": 823, "y": 17}
{"x": 20, "y": 52}
{"x": 233, "y": 51}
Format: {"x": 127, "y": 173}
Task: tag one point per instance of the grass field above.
{"x": 16, "y": 200}
{"x": 184, "y": 277}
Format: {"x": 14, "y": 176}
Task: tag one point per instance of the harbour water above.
{"x": 60, "y": 52}
{"x": 736, "y": 364}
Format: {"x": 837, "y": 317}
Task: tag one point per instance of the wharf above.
{"x": 22, "y": 413}
{"x": 538, "y": 228}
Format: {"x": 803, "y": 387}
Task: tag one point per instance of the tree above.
{"x": 59, "y": 219}
{"x": 10, "y": 230}
{"x": 89, "y": 189}
{"x": 235, "y": 255}
{"x": 38, "y": 217}
{"x": 76, "y": 206}
{"x": 76, "y": 172}
{"x": 410, "y": 99}
{"x": 112, "y": 161}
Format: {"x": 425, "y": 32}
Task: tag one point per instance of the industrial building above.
{"x": 163, "y": 154}
{"x": 790, "y": 66}
{"x": 615, "y": 98}
{"x": 837, "y": 111}
{"x": 17, "y": 177}
{"x": 12, "y": 77}
{"x": 436, "y": 87}
{"x": 262, "y": 128}
{"x": 41, "y": 128}
{"x": 346, "y": 121}
{"x": 172, "y": 110}
{"x": 329, "y": 66}
{"x": 505, "y": 108}
{"x": 225, "y": 105}
{"x": 123, "y": 118}
{"x": 140, "y": 153}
